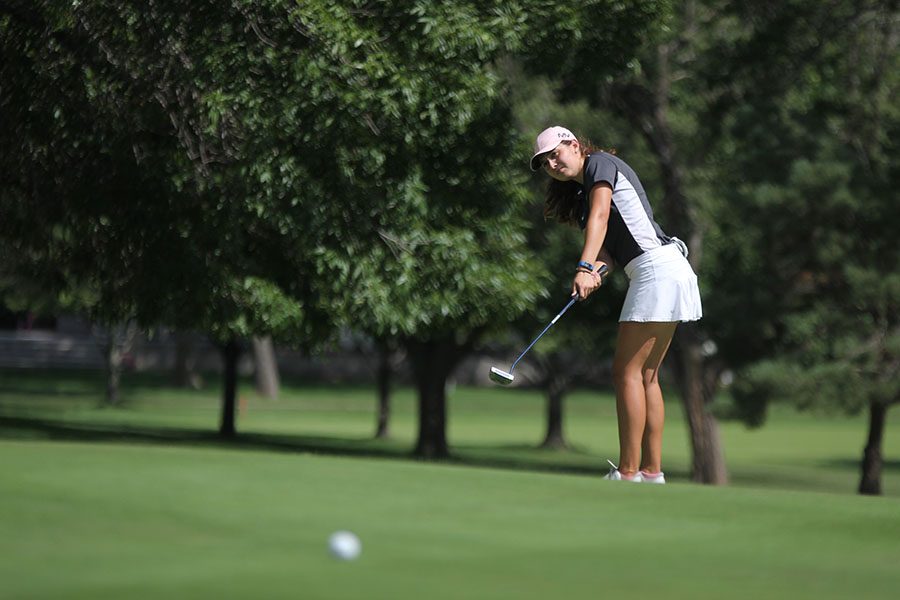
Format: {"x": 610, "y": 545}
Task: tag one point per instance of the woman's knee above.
{"x": 650, "y": 378}
{"x": 625, "y": 374}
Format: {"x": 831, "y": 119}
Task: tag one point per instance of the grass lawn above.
{"x": 145, "y": 501}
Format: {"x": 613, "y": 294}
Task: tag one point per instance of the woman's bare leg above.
{"x": 640, "y": 349}
{"x": 651, "y": 444}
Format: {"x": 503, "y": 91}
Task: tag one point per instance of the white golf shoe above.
{"x": 615, "y": 475}
{"x": 656, "y": 478}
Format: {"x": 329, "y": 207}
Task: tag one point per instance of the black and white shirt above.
{"x": 631, "y": 230}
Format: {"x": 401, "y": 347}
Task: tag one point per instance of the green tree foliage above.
{"x": 809, "y": 230}
{"x": 810, "y": 207}
{"x": 110, "y": 192}
{"x": 274, "y": 140}
{"x": 270, "y": 167}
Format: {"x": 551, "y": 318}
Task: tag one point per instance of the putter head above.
{"x": 501, "y": 377}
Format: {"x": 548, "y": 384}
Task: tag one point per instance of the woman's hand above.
{"x": 585, "y": 283}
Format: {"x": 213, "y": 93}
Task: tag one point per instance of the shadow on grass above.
{"x": 47, "y": 390}
{"x": 854, "y": 464}
{"x": 21, "y": 428}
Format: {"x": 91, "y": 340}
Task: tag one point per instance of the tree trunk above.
{"x": 432, "y": 362}
{"x": 267, "y": 381}
{"x": 432, "y": 442}
{"x": 119, "y": 340}
{"x": 113, "y": 372}
{"x": 556, "y": 389}
{"x": 184, "y": 369}
{"x": 870, "y": 482}
{"x": 707, "y": 458}
{"x": 385, "y": 352}
{"x": 231, "y": 352}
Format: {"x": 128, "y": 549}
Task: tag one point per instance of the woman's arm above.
{"x": 606, "y": 258}
{"x": 595, "y": 231}
{"x": 594, "y": 235}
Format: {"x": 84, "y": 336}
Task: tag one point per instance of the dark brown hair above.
{"x": 563, "y": 201}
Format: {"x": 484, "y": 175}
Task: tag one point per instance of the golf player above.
{"x": 601, "y": 194}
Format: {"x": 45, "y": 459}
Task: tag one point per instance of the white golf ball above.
{"x": 344, "y": 545}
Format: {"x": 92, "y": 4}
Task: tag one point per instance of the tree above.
{"x": 115, "y": 343}
{"x": 102, "y": 204}
{"x": 274, "y": 156}
{"x": 468, "y": 228}
{"x": 216, "y": 165}
{"x": 450, "y": 275}
{"x": 266, "y": 367}
{"x": 386, "y": 349}
{"x": 809, "y": 240}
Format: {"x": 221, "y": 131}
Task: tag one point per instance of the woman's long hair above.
{"x": 564, "y": 200}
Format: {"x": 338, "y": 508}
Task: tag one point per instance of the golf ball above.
{"x": 344, "y": 545}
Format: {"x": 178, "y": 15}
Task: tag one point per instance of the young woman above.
{"x": 601, "y": 194}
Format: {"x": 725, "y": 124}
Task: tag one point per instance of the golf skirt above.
{"x": 662, "y": 288}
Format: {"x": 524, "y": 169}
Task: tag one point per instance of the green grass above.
{"x": 145, "y": 501}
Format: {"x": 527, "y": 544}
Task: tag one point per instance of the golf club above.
{"x": 504, "y": 377}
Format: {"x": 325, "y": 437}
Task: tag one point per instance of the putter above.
{"x": 506, "y": 378}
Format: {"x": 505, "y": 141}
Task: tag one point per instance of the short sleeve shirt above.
{"x": 631, "y": 230}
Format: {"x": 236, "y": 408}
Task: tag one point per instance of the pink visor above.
{"x": 547, "y": 140}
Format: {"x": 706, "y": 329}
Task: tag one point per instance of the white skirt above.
{"x": 662, "y": 288}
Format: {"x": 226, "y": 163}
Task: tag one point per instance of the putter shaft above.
{"x": 541, "y": 334}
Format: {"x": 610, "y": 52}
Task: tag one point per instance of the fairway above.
{"x": 145, "y": 502}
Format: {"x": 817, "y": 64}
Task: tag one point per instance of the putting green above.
{"x": 89, "y": 520}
